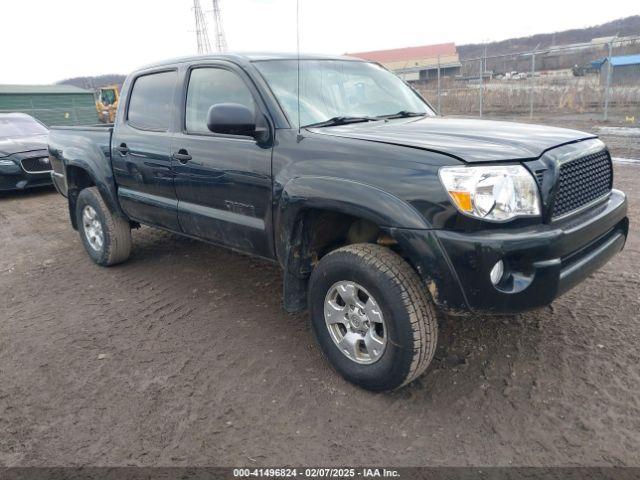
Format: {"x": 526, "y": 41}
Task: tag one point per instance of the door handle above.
{"x": 182, "y": 156}
{"x": 123, "y": 149}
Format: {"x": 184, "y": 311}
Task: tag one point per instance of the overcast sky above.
{"x": 43, "y": 41}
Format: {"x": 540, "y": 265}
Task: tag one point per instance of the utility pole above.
{"x": 439, "y": 107}
{"x": 482, "y": 68}
{"x": 201, "y": 29}
{"x": 608, "y": 82}
{"x": 533, "y": 83}
{"x": 221, "y": 41}
{"x": 533, "y": 70}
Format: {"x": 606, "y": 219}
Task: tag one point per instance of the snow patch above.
{"x": 627, "y": 161}
{"x": 620, "y": 131}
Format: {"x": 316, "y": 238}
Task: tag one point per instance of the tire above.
{"x": 115, "y": 230}
{"x": 386, "y": 285}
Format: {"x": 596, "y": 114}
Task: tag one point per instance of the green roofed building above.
{"x": 51, "y": 104}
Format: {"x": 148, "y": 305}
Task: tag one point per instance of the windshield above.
{"x": 13, "y": 127}
{"x": 338, "y": 88}
{"x": 108, "y": 96}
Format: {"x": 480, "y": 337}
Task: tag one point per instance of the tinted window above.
{"x": 151, "y": 101}
{"x": 208, "y": 87}
{"x": 108, "y": 97}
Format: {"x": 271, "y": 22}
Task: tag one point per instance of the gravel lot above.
{"x": 184, "y": 356}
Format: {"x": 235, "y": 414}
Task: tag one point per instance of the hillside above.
{"x": 91, "y": 83}
{"x": 622, "y": 27}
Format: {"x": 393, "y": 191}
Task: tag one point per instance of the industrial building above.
{"x": 417, "y": 64}
{"x": 625, "y": 70}
{"x": 51, "y": 104}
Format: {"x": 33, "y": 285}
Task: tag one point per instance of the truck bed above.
{"x": 88, "y": 147}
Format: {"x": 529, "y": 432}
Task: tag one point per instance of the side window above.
{"x": 208, "y": 87}
{"x": 151, "y": 102}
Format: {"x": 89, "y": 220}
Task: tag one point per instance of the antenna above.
{"x": 221, "y": 41}
{"x": 201, "y": 29}
{"x": 298, "y": 58}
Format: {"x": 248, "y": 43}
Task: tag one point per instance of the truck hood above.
{"x": 9, "y": 146}
{"x": 468, "y": 140}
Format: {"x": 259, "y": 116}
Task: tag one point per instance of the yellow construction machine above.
{"x": 107, "y": 103}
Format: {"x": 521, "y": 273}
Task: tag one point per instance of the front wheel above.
{"x": 372, "y": 316}
{"x": 106, "y": 237}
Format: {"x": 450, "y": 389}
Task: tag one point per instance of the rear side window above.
{"x": 151, "y": 102}
{"x": 211, "y": 86}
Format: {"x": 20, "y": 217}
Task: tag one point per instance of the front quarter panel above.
{"x": 397, "y": 188}
{"x": 390, "y": 185}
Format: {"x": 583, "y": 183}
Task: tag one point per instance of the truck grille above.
{"x": 582, "y": 181}
{"x": 36, "y": 164}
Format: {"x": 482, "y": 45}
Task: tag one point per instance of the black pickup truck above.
{"x": 380, "y": 212}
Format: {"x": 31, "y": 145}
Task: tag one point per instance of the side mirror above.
{"x": 231, "y": 119}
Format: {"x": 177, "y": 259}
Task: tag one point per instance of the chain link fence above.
{"x": 599, "y": 78}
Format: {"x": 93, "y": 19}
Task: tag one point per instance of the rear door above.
{"x": 141, "y": 150}
{"x": 224, "y": 188}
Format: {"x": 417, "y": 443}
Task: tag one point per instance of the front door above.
{"x": 223, "y": 182}
{"x": 141, "y": 151}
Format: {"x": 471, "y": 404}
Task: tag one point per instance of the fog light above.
{"x": 497, "y": 272}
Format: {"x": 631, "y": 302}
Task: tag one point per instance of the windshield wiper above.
{"x": 404, "y": 114}
{"x": 341, "y": 121}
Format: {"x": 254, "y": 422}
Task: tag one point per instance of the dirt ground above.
{"x": 184, "y": 356}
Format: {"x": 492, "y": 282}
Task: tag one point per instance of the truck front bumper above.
{"x": 541, "y": 262}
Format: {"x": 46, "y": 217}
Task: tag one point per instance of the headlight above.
{"x": 494, "y": 193}
{"x": 6, "y": 163}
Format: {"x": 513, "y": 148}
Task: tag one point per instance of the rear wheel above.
{"x": 372, "y": 316}
{"x": 106, "y": 237}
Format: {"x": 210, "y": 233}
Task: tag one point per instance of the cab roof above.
{"x": 248, "y": 57}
